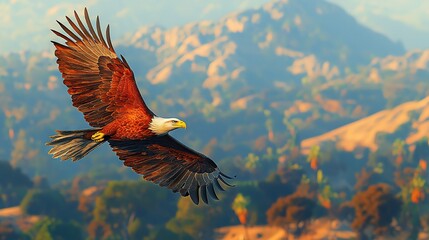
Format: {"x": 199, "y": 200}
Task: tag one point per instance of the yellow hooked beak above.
{"x": 180, "y": 124}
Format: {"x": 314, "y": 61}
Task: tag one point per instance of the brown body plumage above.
{"x": 103, "y": 88}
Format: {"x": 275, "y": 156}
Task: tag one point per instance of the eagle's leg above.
{"x": 98, "y": 137}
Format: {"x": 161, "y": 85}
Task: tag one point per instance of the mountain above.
{"x": 254, "y": 83}
{"x": 283, "y": 38}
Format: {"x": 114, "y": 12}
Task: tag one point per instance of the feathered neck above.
{"x": 157, "y": 126}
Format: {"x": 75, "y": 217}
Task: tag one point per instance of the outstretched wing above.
{"x": 165, "y": 161}
{"x": 100, "y": 84}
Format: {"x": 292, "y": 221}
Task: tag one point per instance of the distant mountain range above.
{"x": 259, "y": 79}
{"x": 399, "y": 20}
{"x": 20, "y": 34}
{"x": 255, "y": 50}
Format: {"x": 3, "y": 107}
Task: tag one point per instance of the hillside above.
{"x": 409, "y": 121}
{"x": 262, "y": 78}
{"x": 406, "y": 74}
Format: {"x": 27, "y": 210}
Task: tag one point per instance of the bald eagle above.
{"x": 103, "y": 88}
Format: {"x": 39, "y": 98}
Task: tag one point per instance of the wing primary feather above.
{"x": 204, "y": 194}
{"x": 86, "y": 33}
{"x": 60, "y": 45}
{"x": 218, "y": 185}
{"x": 206, "y": 178}
{"x": 62, "y": 36}
{"x": 199, "y": 179}
{"x": 78, "y": 31}
{"x": 109, "y": 41}
{"x": 184, "y": 192}
{"x": 220, "y": 177}
{"x": 69, "y": 32}
{"x": 212, "y": 192}
{"x": 226, "y": 176}
{"x": 194, "y": 193}
{"x": 125, "y": 61}
{"x": 91, "y": 29}
{"x": 100, "y": 33}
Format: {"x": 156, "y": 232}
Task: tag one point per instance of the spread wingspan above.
{"x": 103, "y": 88}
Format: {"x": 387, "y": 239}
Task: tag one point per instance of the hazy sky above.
{"x": 27, "y": 19}
{"x": 403, "y": 20}
{"x": 26, "y": 23}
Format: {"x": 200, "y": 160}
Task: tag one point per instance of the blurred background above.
{"x": 319, "y": 107}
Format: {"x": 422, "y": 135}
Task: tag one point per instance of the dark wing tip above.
{"x": 204, "y": 194}
{"x": 125, "y": 62}
{"x": 194, "y": 193}
{"x": 206, "y": 189}
{"x": 109, "y": 41}
{"x": 212, "y": 192}
{"x": 228, "y": 177}
{"x": 225, "y": 182}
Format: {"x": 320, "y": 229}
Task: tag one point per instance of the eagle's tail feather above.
{"x": 73, "y": 144}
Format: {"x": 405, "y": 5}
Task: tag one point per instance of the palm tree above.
{"x": 240, "y": 207}
{"x": 313, "y": 157}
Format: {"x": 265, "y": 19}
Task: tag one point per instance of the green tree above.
{"x": 13, "y": 185}
{"x": 47, "y": 202}
{"x": 240, "y": 207}
{"x": 314, "y": 157}
{"x": 52, "y": 229}
{"x": 125, "y": 208}
{"x": 195, "y": 221}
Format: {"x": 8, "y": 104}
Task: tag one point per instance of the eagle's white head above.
{"x": 161, "y": 126}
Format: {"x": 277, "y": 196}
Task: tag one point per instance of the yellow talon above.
{"x": 98, "y": 137}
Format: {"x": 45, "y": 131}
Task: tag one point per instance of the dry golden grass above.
{"x": 363, "y": 132}
{"x": 318, "y": 229}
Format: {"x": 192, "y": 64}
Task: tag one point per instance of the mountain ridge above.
{"x": 288, "y": 30}
{"x": 363, "y": 133}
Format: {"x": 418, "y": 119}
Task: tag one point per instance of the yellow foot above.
{"x": 98, "y": 137}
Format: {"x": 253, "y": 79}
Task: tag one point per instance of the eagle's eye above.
{"x": 174, "y": 121}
